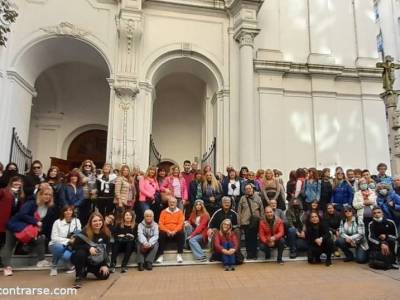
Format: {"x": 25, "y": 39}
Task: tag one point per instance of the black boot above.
{"x": 149, "y": 266}
{"x": 140, "y": 267}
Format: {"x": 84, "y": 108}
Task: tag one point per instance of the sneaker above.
{"x": 179, "y": 258}
{"x": 53, "y": 272}
{"x": 77, "y": 283}
{"x": 293, "y": 254}
{"x": 43, "y": 264}
{"x": 203, "y": 259}
{"x": 336, "y": 253}
{"x": 8, "y": 271}
{"x": 160, "y": 259}
{"x": 226, "y": 268}
{"x": 280, "y": 261}
{"x": 112, "y": 269}
{"x": 232, "y": 268}
{"x": 124, "y": 269}
{"x": 70, "y": 270}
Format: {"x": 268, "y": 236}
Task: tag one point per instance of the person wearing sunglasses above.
{"x": 35, "y": 176}
{"x": 352, "y": 235}
{"x": 342, "y": 191}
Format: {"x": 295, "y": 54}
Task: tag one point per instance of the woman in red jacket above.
{"x": 11, "y": 199}
{"x": 196, "y": 229}
{"x": 225, "y": 245}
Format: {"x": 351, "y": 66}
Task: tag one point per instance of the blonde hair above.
{"x": 150, "y": 168}
{"x": 214, "y": 182}
{"x": 172, "y": 168}
{"x": 40, "y": 194}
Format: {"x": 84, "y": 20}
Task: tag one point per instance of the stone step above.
{"x": 28, "y": 262}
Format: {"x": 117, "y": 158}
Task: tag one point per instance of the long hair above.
{"x": 104, "y": 229}
{"x": 15, "y": 179}
{"x": 93, "y": 166}
{"x": 64, "y": 209}
{"x": 74, "y": 174}
{"x": 336, "y": 181}
{"x": 151, "y": 168}
{"x": 214, "y": 182}
{"x": 40, "y": 194}
{"x": 203, "y": 210}
{"x": 173, "y": 168}
{"x": 227, "y": 233}
{"x": 314, "y": 173}
{"x": 125, "y": 167}
{"x": 121, "y": 220}
{"x": 58, "y": 176}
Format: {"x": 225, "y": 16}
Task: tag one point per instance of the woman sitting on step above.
{"x": 30, "y": 221}
{"x": 124, "y": 240}
{"x": 89, "y": 250}
{"x": 196, "y": 230}
{"x": 62, "y": 236}
{"x": 225, "y": 245}
{"x": 147, "y": 241}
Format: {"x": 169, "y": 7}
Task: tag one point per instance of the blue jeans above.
{"x": 361, "y": 254}
{"x": 228, "y": 260}
{"x": 194, "y": 242}
{"x": 59, "y": 251}
{"x": 294, "y": 242}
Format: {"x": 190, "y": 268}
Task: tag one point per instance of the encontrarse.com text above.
{"x": 20, "y": 291}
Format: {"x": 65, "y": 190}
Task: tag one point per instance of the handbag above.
{"x": 254, "y": 220}
{"x": 29, "y": 233}
{"x": 101, "y": 250}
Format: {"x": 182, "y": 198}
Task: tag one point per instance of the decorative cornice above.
{"x": 14, "y": 75}
{"x": 286, "y": 67}
{"x": 126, "y": 89}
{"x": 66, "y": 28}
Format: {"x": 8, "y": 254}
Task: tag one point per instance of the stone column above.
{"x": 393, "y": 116}
{"x": 247, "y": 150}
{"x": 244, "y": 20}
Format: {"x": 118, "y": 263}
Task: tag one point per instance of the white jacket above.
{"x": 358, "y": 201}
{"x": 61, "y": 229}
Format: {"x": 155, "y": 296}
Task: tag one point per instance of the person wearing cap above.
{"x": 196, "y": 230}
{"x": 271, "y": 232}
{"x": 352, "y": 235}
{"x": 226, "y": 245}
{"x": 383, "y": 240}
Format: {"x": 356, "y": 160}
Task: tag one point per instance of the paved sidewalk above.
{"x": 294, "y": 280}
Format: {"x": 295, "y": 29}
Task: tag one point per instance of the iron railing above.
{"x": 210, "y": 157}
{"x": 19, "y": 153}
{"x": 154, "y": 155}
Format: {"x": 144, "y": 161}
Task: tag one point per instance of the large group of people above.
{"x": 89, "y": 216}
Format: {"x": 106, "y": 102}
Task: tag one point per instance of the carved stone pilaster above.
{"x": 129, "y": 25}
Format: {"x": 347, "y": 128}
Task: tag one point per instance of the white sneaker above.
{"x": 43, "y": 264}
{"x": 53, "y": 272}
{"x": 179, "y": 258}
{"x": 8, "y": 271}
{"x": 70, "y": 270}
{"x": 160, "y": 259}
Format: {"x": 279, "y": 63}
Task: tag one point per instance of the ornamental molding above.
{"x": 17, "y": 78}
{"x": 129, "y": 29}
{"x": 66, "y": 28}
{"x": 126, "y": 90}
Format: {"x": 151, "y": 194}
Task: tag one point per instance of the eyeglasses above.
{"x": 346, "y": 211}
{"x": 36, "y": 167}
{"x": 87, "y": 165}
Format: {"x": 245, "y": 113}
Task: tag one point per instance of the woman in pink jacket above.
{"x": 175, "y": 185}
{"x": 148, "y": 186}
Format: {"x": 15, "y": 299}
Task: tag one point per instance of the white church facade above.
{"x": 275, "y": 83}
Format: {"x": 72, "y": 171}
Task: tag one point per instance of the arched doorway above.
{"x": 90, "y": 144}
{"x": 185, "y": 110}
{"x": 72, "y": 92}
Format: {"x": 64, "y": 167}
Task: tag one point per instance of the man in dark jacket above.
{"x": 383, "y": 239}
{"x": 295, "y": 222}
